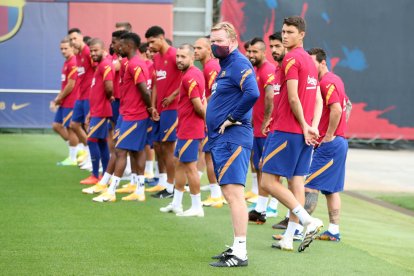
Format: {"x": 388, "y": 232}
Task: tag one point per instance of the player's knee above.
{"x": 56, "y": 127}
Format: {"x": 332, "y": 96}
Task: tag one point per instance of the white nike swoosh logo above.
{"x": 243, "y": 71}
{"x": 19, "y": 106}
{"x": 289, "y": 58}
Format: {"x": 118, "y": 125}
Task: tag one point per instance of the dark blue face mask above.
{"x": 220, "y": 52}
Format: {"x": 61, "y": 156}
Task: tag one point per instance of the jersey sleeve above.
{"x": 245, "y": 77}
{"x": 107, "y": 74}
{"x": 269, "y": 77}
{"x": 193, "y": 88}
{"x": 211, "y": 77}
{"x": 72, "y": 72}
{"x": 330, "y": 94}
{"x": 290, "y": 67}
{"x": 138, "y": 74}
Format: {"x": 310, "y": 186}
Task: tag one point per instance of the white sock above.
{"x": 134, "y": 178}
{"x": 333, "y": 228}
{"x": 273, "y": 203}
{"x": 157, "y": 170}
{"x": 170, "y": 187}
{"x": 80, "y": 146}
{"x": 140, "y": 185}
{"x": 149, "y": 167}
{"x": 287, "y": 214}
{"x": 300, "y": 228}
{"x": 200, "y": 174}
{"x": 72, "y": 153}
{"x": 290, "y": 230}
{"x": 196, "y": 201}
{"x": 303, "y": 216}
{"x": 178, "y": 198}
{"x": 114, "y": 184}
{"x": 163, "y": 180}
{"x": 239, "y": 247}
{"x": 215, "y": 190}
{"x": 105, "y": 178}
{"x": 261, "y": 204}
{"x": 255, "y": 188}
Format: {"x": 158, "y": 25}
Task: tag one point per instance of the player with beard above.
{"x": 262, "y": 110}
{"x": 211, "y": 68}
{"x": 190, "y": 132}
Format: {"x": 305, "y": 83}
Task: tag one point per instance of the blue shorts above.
{"x": 115, "y": 113}
{"x": 132, "y": 135}
{"x": 117, "y": 128}
{"x": 187, "y": 150}
{"x": 327, "y": 171}
{"x": 98, "y": 128}
{"x": 165, "y": 130}
{"x": 150, "y": 134}
{"x": 63, "y": 116}
{"x": 80, "y": 111}
{"x": 258, "y": 145}
{"x": 230, "y": 162}
{"x": 203, "y": 144}
{"x": 286, "y": 154}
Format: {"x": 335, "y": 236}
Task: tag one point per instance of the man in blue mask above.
{"x": 230, "y": 133}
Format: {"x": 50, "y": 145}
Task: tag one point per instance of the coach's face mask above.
{"x": 220, "y": 52}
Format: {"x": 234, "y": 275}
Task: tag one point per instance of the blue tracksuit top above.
{"x": 234, "y": 93}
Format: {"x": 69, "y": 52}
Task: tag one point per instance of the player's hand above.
{"x": 87, "y": 120}
{"x": 260, "y": 164}
{"x": 311, "y": 135}
{"x": 58, "y": 101}
{"x": 154, "y": 114}
{"x": 227, "y": 123}
{"x": 328, "y": 138}
{"x": 266, "y": 127}
{"x": 166, "y": 101}
{"x": 112, "y": 99}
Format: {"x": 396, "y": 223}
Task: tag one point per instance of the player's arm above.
{"x": 294, "y": 102}
{"x": 334, "y": 119}
{"x": 268, "y": 105}
{"x": 168, "y": 100}
{"x": 65, "y": 92}
{"x": 199, "y": 107}
{"x": 109, "y": 88}
{"x": 142, "y": 88}
{"x": 317, "y": 114}
{"x": 348, "y": 109}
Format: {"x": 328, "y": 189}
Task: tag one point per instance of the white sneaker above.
{"x": 172, "y": 209}
{"x": 312, "y": 230}
{"x": 284, "y": 244}
{"x": 87, "y": 166}
{"x": 192, "y": 213}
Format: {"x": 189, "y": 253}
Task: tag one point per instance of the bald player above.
{"x": 211, "y": 68}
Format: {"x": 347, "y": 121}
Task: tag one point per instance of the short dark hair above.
{"x": 296, "y": 21}
{"x": 154, "y": 31}
{"x": 276, "y": 36}
{"x": 258, "y": 40}
{"x": 187, "y": 46}
{"x": 319, "y": 53}
{"x": 169, "y": 41}
{"x": 126, "y": 25}
{"x": 74, "y": 30}
{"x": 65, "y": 40}
{"x": 143, "y": 47}
{"x": 118, "y": 34}
{"x": 87, "y": 39}
{"x": 95, "y": 41}
{"x": 132, "y": 37}
{"x": 246, "y": 45}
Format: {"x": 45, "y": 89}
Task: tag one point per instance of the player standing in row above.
{"x": 135, "y": 109}
{"x": 100, "y": 107}
{"x": 190, "y": 132}
{"x": 327, "y": 171}
{"x": 289, "y": 149}
{"x": 262, "y": 111}
{"x": 211, "y": 68}
{"x": 230, "y": 134}
{"x": 163, "y": 96}
{"x": 81, "y": 108}
{"x": 65, "y": 100}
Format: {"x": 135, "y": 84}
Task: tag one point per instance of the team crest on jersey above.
{"x": 166, "y": 62}
{"x": 13, "y": 19}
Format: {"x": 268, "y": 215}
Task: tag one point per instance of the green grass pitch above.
{"x": 48, "y": 227}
